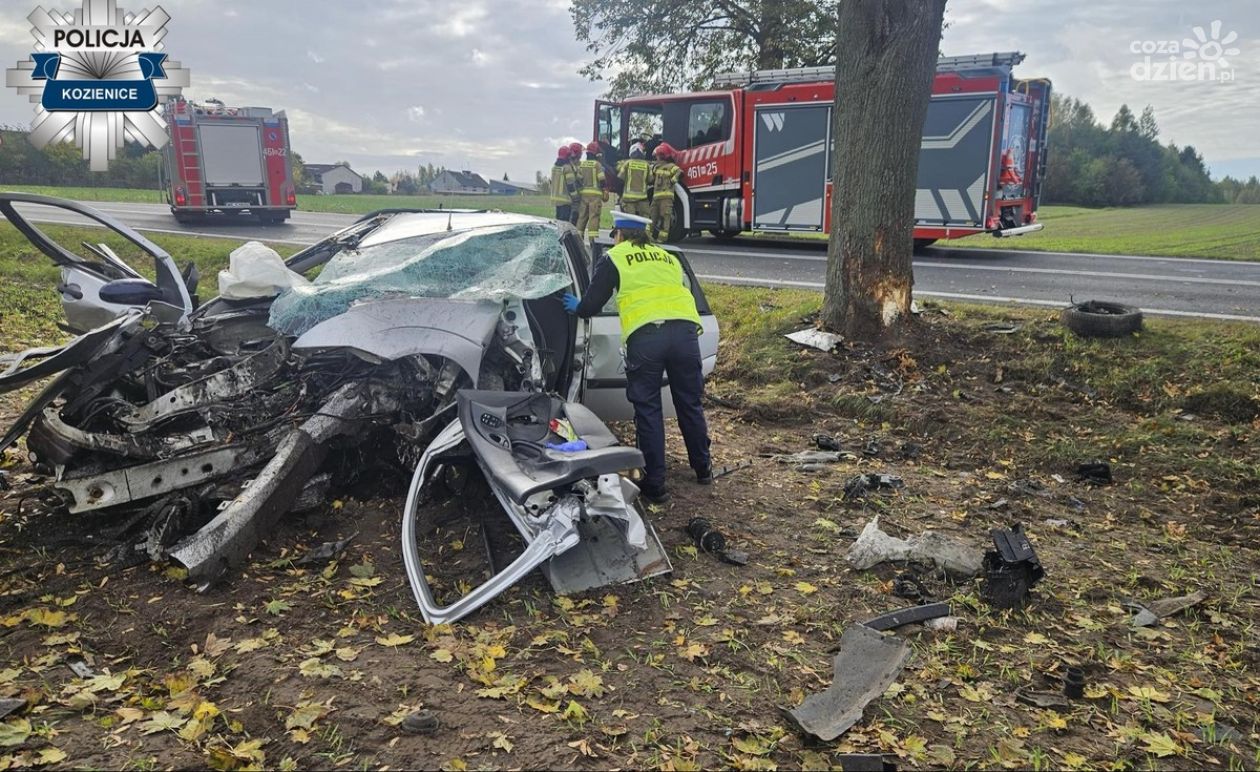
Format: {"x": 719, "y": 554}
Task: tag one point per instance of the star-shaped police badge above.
{"x": 97, "y": 78}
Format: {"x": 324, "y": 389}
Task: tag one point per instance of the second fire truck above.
{"x": 756, "y": 151}
{"x": 227, "y": 161}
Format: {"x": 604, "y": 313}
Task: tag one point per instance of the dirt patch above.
{"x": 314, "y": 666}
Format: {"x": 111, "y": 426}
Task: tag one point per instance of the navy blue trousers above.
{"x": 652, "y": 352}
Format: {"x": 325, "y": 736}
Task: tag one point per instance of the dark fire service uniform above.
{"x": 660, "y": 327}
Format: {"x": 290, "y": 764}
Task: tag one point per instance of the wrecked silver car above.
{"x": 405, "y": 340}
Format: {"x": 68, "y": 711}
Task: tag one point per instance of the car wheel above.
{"x": 1101, "y": 319}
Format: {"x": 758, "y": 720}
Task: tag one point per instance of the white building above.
{"x": 335, "y": 178}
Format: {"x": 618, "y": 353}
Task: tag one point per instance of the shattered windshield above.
{"x": 522, "y": 261}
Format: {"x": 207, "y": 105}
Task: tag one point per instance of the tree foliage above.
{"x": 643, "y": 46}
{"x": 1119, "y": 165}
{"x": 21, "y": 163}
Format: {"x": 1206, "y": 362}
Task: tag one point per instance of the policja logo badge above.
{"x": 98, "y": 78}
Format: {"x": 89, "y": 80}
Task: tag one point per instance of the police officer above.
{"x": 660, "y": 328}
{"x": 634, "y": 173}
{"x": 563, "y": 185}
{"x": 575, "y": 199}
{"x": 664, "y": 174}
{"x": 591, "y": 190}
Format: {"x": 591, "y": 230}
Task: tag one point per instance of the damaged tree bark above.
{"x": 886, "y": 60}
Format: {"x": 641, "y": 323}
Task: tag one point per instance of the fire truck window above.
{"x": 646, "y": 126}
{"x": 609, "y": 124}
{"x": 706, "y": 122}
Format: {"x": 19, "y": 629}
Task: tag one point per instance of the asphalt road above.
{"x": 1214, "y": 289}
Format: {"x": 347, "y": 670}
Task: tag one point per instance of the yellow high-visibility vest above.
{"x": 652, "y": 287}
{"x": 590, "y": 178}
{"x": 634, "y": 172}
{"x": 562, "y": 178}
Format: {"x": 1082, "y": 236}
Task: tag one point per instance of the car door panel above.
{"x": 604, "y": 389}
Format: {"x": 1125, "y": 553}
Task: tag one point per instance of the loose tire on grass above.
{"x": 1100, "y": 319}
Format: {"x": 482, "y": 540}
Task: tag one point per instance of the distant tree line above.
{"x": 21, "y": 163}
{"x": 1124, "y": 164}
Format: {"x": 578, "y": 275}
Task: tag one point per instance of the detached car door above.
{"x": 97, "y": 285}
{"x": 604, "y": 373}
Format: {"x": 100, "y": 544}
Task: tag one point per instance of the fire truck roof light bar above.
{"x": 1001, "y": 59}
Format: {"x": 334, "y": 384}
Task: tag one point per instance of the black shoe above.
{"x": 660, "y": 496}
{"x": 704, "y": 476}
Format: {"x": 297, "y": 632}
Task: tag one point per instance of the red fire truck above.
{"x": 756, "y": 150}
{"x": 222, "y": 160}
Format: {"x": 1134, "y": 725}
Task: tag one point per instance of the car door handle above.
{"x": 70, "y": 289}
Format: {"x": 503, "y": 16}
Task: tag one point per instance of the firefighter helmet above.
{"x": 663, "y": 151}
{"x": 593, "y": 147}
{"x": 636, "y": 150}
{"x": 575, "y": 148}
{"x": 563, "y": 153}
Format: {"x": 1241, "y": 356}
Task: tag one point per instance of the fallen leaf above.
{"x": 805, "y": 588}
{"x": 394, "y": 639}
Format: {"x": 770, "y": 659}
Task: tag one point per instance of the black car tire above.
{"x": 1102, "y": 319}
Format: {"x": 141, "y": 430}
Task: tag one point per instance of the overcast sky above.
{"x": 493, "y": 86}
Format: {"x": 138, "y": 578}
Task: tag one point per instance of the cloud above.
{"x": 499, "y": 83}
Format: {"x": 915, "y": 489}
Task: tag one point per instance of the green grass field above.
{"x": 1221, "y": 231}
{"x": 1224, "y": 231}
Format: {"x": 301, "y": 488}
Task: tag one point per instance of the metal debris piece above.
{"x": 826, "y": 442}
{"x": 815, "y": 338}
{"x": 1074, "y": 682}
{"x": 859, "y": 485}
{"x": 1042, "y": 699}
{"x": 942, "y": 624}
{"x": 1150, "y": 613}
{"x": 326, "y": 551}
{"x": 80, "y": 668}
{"x": 420, "y": 722}
{"x": 725, "y": 470}
{"x": 10, "y": 704}
{"x": 865, "y": 762}
{"x": 866, "y": 664}
{"x": 872, "y": 448}
{"x": 1011, "y": 568}
{"x": 814, "y": 457}
{"x": 908, "y": 616}
{"x": 1094, "y": 473}
{"x": 873, "y": 547}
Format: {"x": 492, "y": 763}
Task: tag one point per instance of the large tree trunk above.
{"x": 886, "y": 59}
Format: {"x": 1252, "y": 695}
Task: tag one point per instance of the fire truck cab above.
{"x": 227, "y": 161}
{"x": 756, "y": 152}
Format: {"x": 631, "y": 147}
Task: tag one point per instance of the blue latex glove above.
{"x": 572, "y": 446}
{"x": 570, "y": 302}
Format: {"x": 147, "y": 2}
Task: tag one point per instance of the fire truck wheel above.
{"x": 923, "y": 243}
{"x": 1100, "y": 319}
{"x": 184, "y": 218}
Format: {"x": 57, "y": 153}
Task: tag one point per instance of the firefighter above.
{"x": 592, "y": 192}
{"x": 563, "y": 185}
{"x": 634, "y": 173}
{"x": 664, "y": 174}
{"x": 575, "y": 199}
{"x": 660, "y": 330}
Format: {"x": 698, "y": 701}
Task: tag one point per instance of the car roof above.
{"x": 406, "y": 225}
